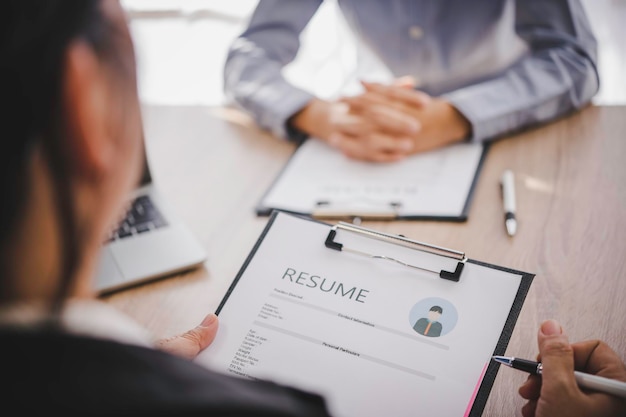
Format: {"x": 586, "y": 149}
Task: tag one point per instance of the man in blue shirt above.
{"x": 476, "y": 70}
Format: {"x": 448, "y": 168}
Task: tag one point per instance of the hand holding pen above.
{"x": 556, "y": 392}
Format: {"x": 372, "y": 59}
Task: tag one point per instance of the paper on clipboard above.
{"x": 320, "y": 181}
{"x": 362, "y": 331}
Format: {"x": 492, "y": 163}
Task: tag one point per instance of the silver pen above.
{"x": 584, "y": 380}
{"x": 507, "y": 182}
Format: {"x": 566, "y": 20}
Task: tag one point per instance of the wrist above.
{"x": 459, "y": 127}
{"x": 313, "y": 119}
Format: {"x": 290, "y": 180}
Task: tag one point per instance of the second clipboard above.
{"x": 320, "y": 182}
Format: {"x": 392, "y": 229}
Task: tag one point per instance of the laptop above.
{"x": 150, "y": 242}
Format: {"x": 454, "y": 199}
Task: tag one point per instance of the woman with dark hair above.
{"x": 69, "y": 155}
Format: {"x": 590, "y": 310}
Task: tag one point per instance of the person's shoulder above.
{"x": 84, "y": 376}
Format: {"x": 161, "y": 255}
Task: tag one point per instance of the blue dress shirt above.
{"x": 504, "y": 64}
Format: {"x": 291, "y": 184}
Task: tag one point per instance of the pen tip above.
{"x": 511, "y": 227}
{"x": 502, "y": 359}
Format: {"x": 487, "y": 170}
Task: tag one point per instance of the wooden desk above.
{"x": 571, "y": 190}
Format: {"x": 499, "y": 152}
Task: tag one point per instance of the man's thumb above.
{"x": 557, "y": 356}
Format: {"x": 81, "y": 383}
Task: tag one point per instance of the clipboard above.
{"x": 257, "y": 337}
{"x": 317, "y": 181}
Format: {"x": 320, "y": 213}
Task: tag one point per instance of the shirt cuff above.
{"x": 482, "y": 112}
{"x": 292, "y": 102}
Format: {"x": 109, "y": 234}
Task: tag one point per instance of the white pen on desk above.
{"x": 507, "y": 183}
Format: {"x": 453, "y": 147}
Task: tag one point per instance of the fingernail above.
{"x": 333, "y": 139}
{"x": 551, "y": 328}
{"x": 407, "y": 145}
{"x": 208, "y": 320}
{"x": 368, "y": 85}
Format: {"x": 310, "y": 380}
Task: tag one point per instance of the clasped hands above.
{"x": 385, "y": 123}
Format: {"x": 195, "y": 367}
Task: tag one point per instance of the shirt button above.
{"x": 416, "y": 32}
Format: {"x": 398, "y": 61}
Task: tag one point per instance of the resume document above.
{"x": 374, "y": 337}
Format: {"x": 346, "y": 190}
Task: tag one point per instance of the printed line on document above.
{"x": 360, "y": 355}
{"x": 414, "y": 338}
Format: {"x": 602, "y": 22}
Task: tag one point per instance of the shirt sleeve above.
{"x": 558, "y": 76}
{"x": 253, "y": 70}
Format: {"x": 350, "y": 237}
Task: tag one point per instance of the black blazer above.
{"x": 58, "y": 374}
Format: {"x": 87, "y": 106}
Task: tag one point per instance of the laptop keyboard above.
{"x": 142, "y": 216}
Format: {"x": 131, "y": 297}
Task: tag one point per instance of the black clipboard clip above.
{"x": 402, "y": 241}
{"x": 356, "y": 210}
